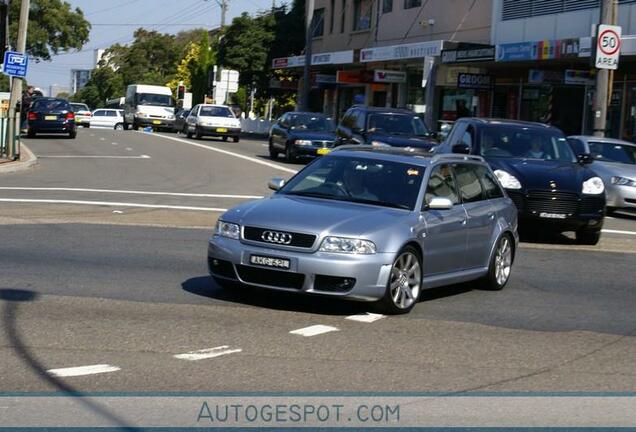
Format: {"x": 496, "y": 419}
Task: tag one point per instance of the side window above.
{"x": 577, "y": 146}
{"x": 492, "y": 190}
{"x": 457, "y": 133}
{"x": 348, "y": 120}
{"x": 441, "y": 185}
{"x": 284, "y": 121}
{"x": 195, "y": 110}
{"x": 467, "y": 137}
{"x": 98, "y": 113}
{"x": 111, "y": 113}
{"x": 468, "y": 183}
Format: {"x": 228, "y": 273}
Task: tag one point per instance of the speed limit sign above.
{"x": 608, "y": 46}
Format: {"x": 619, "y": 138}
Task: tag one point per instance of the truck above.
{"x": 149, "y": 105}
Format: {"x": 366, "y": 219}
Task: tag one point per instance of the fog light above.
{"x": 347, "y": 283}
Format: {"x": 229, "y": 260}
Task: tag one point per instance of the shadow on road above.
{"x": 624, "y": 215}
{"x": 11, "y": 299}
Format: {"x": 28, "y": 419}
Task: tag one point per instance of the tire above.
{"x": 188, "y": 133}
{"x": 119, "y": 126}
{"x": 135, "y": 126}
{"x": 184, "y": 131}
{"x": 236, "y": 139}
{"x": 30, "y": 133}
{"x": 405, "y": 283}
{"x": 289, "y": 154}
{"x": 224, "y": 138}
{"x": 588, "y": 237}
{"x": 273, "y": 154}
{"x": 197, "y": 134}
{"x": 610, "y": 210}
{"x": 500, "y": 265}
{"x": 72, "y": 134}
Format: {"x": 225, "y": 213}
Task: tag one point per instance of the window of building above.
{"x": 410, "y": 4}
{"x": 362, "y": 14}
{"x": 387, "y": 6}
{"x": 516, "y": 9}
{"x": 332, "y": 16}
{"x": 318, "y": 23}
{"x": 342, "y": 16}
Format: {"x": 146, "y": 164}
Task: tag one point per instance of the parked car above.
{"x": 82, "y": 114}
{"x": 301, "y": 134}
{"x": 552, "y": 187}
{"x": 213, "y": 120}
{"x": 108, "y": 118}
{"x": 51, "y": 115}
{"x": 384, "y": 127}
{"x": 371, "y": 224}
{"x": 615, "y": 163}
{"x": 180, "y": 120}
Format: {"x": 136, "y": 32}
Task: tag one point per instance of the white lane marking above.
{"x": 128, "y": 149}
{"x": 112, "y": 204}
{"x": 365, "y": 317}
{"x": 207, "y": 353}
{"x": 265, "y": 145}
{"x": 130, "y": 192}
{"x": 313, "y": 330}
{"x": 118, "y": 212}
{"x": 92, "y": 157}
{"x": 83, "y": 370}
{"x": 611, "y": 231}
{"x": 114, "y": 144}
{"x": 102, "y": 139}
{"x": 229, "y": 153}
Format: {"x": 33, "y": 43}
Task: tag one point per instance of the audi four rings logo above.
{"x": 277, "y": 237}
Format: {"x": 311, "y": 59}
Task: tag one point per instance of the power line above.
{"x": 148, "y": 24}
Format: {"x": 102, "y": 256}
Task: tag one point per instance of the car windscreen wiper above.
{"x": 315, "y": 195}
{"x": 380, "y": 203}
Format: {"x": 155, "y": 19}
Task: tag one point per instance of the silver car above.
{"x": 372, "y": 224}
{"x": 615, "y": 163}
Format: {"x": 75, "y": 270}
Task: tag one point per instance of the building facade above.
{"x": 79, "y": 78}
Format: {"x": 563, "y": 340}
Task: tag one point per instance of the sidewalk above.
{"x": 27, "y": 161}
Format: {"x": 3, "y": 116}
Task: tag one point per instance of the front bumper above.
{"x": 311, "y": 273}
{"x": 311, "y": 150}
{"x": 621, "y": 196}
{"x": 219, "y": 131}
{"x": 167, "y": 123}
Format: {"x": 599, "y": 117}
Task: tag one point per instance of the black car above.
{"x": 51, "y": 115}
{"x": 301, "y": 134}
{"x": 552, "y": 187}
{"x": 384, "y": 126}
{"x": 180, "y": 117}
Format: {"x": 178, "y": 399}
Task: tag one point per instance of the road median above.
{"x": 27, "y": 161}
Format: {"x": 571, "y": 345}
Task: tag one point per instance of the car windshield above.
{"x": 154, "y": 99}
{"x": 310, "y": 122}
{"x": 79, "y": 107}
{"x": 359, "y": 180}
{"x": 526, "y": 143}
{"x": 613, "y": 152}
{"x": 50, "y": 105}
{"x": 396, "y": 124}
{"x": 207, "y": 111}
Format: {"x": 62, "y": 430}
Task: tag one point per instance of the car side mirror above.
{"x": 585, "y": 158}
{"x": 461, "y": 148}
{"x": 440, "y": 204}
{"x": 276, "y": 183}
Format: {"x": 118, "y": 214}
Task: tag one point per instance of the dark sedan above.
{"x": 51, "y": 115}
{"x": 298, "y": 134}
{"x": 553, "y": 188}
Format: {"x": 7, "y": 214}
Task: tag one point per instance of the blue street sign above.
{"x": 15, "y": 64}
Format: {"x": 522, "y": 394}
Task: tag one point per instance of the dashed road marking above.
{"x": 128, "y": 149}
{"x": 114, "y": 144}
{"x": 129, "y": 192}
{"x": 83, "y": 370}
{"x": 91, "y": 157}
{"x": 314, "y": 330}
{"x": 208, "y": 353}
{"x": 102, "y": 139}
{"x": 611, "y": 231}
{"x": 365, "y": 317}
{"x": 111, "y": 204}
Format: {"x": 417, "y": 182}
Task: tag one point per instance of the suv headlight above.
{"x": 593, "y": 186}
{"x": 302, "y": 142}
{"x": 142, "y": 115}
{"x": 379, "y": 144}
{"x": 623, "y": 181}
{"x": 227, "y": 229}
{"x": 347, "y": 245}
{"x": 507, "y": 180}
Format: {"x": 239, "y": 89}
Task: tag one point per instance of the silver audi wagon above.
{"x": 375, "y": 224}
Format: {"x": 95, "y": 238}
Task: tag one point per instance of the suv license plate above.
{"x": 221, "y": 130}
{"x": 270, "y": 262}
{"x": 323, "y": 151}
{"x": 552, "y": 215}
{"x": 156, "y": 122}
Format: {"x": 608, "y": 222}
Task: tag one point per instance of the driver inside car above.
{"x": 536, "y": 149}
{"x": 353, "y": 183}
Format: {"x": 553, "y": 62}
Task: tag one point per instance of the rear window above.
{"x": 50, "y": 105}
{"x": 216, "y": 112}
{"x": 79, "y": 107}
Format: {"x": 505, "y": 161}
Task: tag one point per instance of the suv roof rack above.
{"x": 407, "y": 151}
{"x": 457, "y": 157}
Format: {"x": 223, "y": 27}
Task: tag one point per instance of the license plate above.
{"x": 50, "y": 117}
{"x": 323, "y": 151}
{"x": 270, "y": 262}
{"x": 221, "y": 130}
{"x": 552, "y": 215}
{"x": 156, "y": 122}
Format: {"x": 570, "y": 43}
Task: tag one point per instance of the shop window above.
{"x": 332, "y": 12}
{"x": 410, "y": 4}
{"x": 387, "y": 6}
{"x": 318, "y": 23}
{"x": 362, "y": 14}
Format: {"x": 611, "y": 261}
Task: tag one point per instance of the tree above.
{"x": 53, "y": 28}
{"x": 105, "y": 83}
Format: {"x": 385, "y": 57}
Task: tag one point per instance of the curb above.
{"x": 27, "y": 161}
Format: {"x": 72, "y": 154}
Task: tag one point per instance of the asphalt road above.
{"x": 98, "y": 271}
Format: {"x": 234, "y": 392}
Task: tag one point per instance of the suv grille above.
{"x": 273, "y": 278}
{"x": 297, "y": 240}
{"x": 553, "y": 202}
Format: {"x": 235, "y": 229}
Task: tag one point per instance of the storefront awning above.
{"x": 402, "y": 52}
{"x": 330, "y": 58}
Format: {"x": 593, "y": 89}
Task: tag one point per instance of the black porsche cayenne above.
{"x": 552, "y": 187}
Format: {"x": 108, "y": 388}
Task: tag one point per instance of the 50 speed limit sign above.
{"x": 608, "y": 46}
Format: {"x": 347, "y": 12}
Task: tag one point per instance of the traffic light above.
{"x": 181, "y": 92}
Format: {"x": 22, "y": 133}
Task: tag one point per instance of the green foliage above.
{"x": 53, "y": 27}
{"x": 4, "y": 83}
{"x": 104, "y": 84}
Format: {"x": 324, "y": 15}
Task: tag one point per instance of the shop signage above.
{"x": 608, "y": 46}
{"x": 537, "y": 76}
{"x": 475, "y": 81}
{"x": 354, "y": 77}
{"x": 389, "y": 76}
{"x": 338, "y": 57}
{"x": 401, "y": 52}
{"x": 468, "y": 55}
{"x": 539, "y": 50}
{"x": 578, "y": 77}
{"x": 325, "y": 79}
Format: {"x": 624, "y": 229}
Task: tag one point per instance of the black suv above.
{"x": 551, "y": 186}
{"x": 383, "y": 127}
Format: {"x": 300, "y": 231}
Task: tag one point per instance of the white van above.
{"x": 148, "y": 105}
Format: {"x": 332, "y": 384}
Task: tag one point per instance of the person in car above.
{"x": 353, "y": 183}
{"x": 536, "y": 149}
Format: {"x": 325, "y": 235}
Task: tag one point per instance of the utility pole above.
{"x": 223, "y": 6}
{"x": 603, "y": 91}
{"x": 309, "y": 12}
{"x": 16, "y": 87}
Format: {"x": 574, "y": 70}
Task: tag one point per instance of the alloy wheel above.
{"x": 406, "y": 280}
{"x": 503, "y": 261}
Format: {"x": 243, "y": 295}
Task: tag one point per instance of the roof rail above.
{"x": 412, "y": 151}
{"x": 457, "y": 157}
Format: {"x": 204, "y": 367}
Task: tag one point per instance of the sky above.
{"x": 114, "y": 21}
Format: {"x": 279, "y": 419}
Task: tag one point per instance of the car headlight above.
{"x": 379, "y": 144}
{"x": 227, "y": 229}
{"x": 623, "y": 181}
{"x": 142, "y": 115}
{"x": 347, "y": 245}
{"x": 507, "y": 180}
{"x": 302, "y": 142}
{"x": 593, "y": 186}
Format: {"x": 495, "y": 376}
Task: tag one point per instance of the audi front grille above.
{"x": 297, "y": 239}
